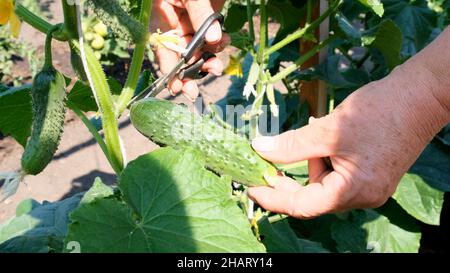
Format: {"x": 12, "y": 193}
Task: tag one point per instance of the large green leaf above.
{"x": 419, "y": 199}
{"x": 285, "y": 13}
{"x": 236, "y": 18}
{"x": 81, "y": 95}
{"x": 388, "y": 40}
{"x": 40, "y": 230}
{"x": 369, "y": 231}
{"x": 433, "y": 166}
{"x": 375, "y": 5}
{"x": 279, "y": 237}
{"x": 16, "y": 113}
{"x": 415, "y": 20}
{"x": 171, "y": 204}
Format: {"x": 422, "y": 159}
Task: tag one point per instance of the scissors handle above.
{"x": 199, "y": 37}
{"x": 193, "y": 71}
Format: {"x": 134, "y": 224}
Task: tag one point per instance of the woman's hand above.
{"x": 372, "y": 139}
{"x": 186, "y": 16}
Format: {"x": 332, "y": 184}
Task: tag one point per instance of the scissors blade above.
{"x": 159, "y": 85}
{"x": 165, "y": 80}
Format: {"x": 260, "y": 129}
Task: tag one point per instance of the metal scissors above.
{"x": 191, "y": 71}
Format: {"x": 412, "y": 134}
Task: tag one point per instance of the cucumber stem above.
{"x": 301, "y": 60}
{"x": 70, "y": 19}
{"x": 304, "y": 30}
{"x": 136, "y": 62}
{"x": 251, "y": 27}
{"x": 92, "y": 130}
{"x": 103, "y": 97}
{"x": 37, "y": 22}
{"x": 48, "y": 64}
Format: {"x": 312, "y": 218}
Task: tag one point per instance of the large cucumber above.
{"x": 49, "y": 108}
{"x": 224, "y": 151}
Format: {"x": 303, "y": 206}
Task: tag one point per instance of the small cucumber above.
{"x": 122, "y": 24}
{"x": 49, "y": 108}
{"x": 224, "y": 151}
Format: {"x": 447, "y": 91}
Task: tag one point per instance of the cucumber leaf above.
{"x": 370, "y": 231}
{"x": 419, "y": 199}
{"x": 16, "y": 113}
{"x": 170, "y": 204}
{"x": 279, "y": 237}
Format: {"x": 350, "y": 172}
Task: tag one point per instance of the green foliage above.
{"x": 41, "y": 230}
{"x": 369, "y": 231}
{"x": 165, "y": 210}
{"x": 419, "y": 199}
{"x": 15, "y": 120}
{"x": 279, "y": 237}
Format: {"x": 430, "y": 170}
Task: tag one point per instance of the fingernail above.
{"x": 264, "y": 144}
{"x": 214, "y": 34}
{"x": 311, "y": 120}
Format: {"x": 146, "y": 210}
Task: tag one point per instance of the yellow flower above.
{"x": 7, "y": 15}
{"x": 170, "y": 40}
{"x": 234, "y": 68}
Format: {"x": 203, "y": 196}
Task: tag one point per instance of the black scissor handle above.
{"x": 199, "y": 37}
{"x": 193, "y": 71}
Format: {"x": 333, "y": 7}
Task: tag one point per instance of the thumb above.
{"x": 199, "y": 11}
{"x": 312, "y": 141}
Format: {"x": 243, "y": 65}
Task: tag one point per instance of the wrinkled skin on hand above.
{"x": 372, "y": 139}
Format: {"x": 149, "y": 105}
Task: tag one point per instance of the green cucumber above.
{"x": 48, "y": 94}
{"x": 111, "y": 13}
{"x": 224, "y": 151}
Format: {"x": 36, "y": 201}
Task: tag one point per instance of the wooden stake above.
{"x": 315, "y": 92}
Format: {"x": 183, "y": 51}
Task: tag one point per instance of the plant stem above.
{"x": 48, "y": 63}
{"x": 288, "y": 70}
{"x": 309, "y": 11}
{"x": 92, "y": 130}
{"x": 260, "y": 59}
{"x": 37, "y": 22}
{"x": 251, "y": 26}
{"x": 262, "y": 33}
{"x": 70, "y": 19}
{"x": 136, "y": 62}
{"x": 103, "y": 97}
{"x": 331, "y": 102}
{"x": 277, "y": 218}
{"x": 302, "y": 31}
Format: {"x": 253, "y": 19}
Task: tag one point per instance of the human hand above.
{"x": 186, "y": 17}
{"x": 372, "y": 139}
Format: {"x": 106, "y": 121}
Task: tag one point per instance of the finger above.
{"x": 220, "y": 46}
{"x": 312, "y": 141}
{"x": 286, "y": 184}
{"x": 199, "y": 11}
{"x": 317, "y": 170}
{"x": 176, "y": 86}
{"x": 190, "y": 90}
{"x": 331, "y": 195}
{"x": 213, "y": 66}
